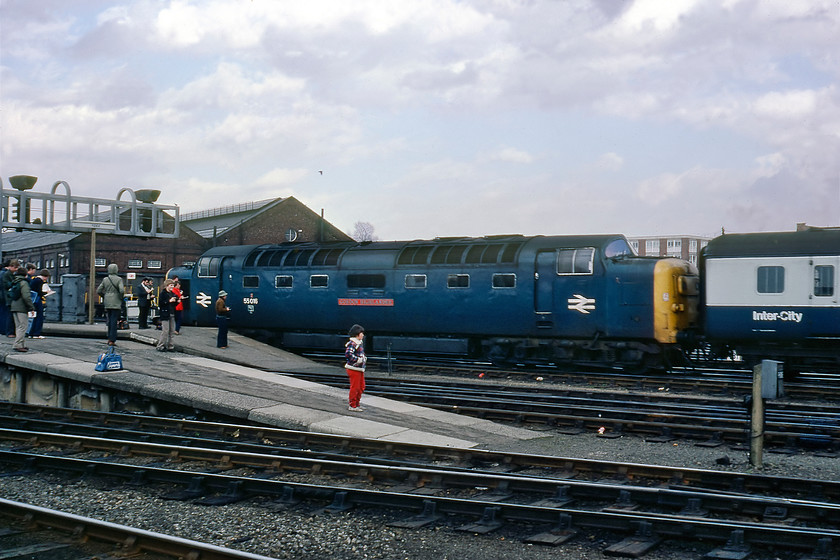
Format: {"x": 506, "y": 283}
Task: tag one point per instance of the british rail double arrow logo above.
{"x": 582, "y": 304}
{"x": 203, "y": 299}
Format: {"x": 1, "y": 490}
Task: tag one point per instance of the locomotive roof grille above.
{"x": 491, "y": 250}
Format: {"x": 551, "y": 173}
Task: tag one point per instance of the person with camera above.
{"x": 166, "y": 304}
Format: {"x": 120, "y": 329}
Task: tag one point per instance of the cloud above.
{"x": 512, "y": 155}
{"x": 603, "y": 112}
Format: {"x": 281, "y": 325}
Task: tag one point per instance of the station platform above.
{"x": 247, "y": 380}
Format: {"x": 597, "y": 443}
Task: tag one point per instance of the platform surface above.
{"x": 247, "y": 380}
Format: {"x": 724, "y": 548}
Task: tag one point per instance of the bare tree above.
{"x": 363, "y": 231}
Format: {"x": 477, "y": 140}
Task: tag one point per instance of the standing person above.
{"x": 166, "y": 305}
{"x": 39, "y": 286}
{"x": 112, "y": 291}
{"x": 179, "y": 306}
{"x": 222, "y": 316}
{"x": 7, "y": 323}
{"x": 5, "y": 314}
{"x": 354, "y": 353}
{"x": 20, "y": 307}
{"x": 143, "y": 293}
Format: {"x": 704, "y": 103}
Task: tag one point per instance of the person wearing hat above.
{"x": 354, "y": 354}
{"x": 222, "y": 316}
{"x": 112, "y": 291}
{"x": 167, "y": 301}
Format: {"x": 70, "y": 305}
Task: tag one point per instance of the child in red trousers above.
{"x": 354, "y": 353}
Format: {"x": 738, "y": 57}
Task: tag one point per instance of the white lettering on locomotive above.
{"x": 787, "y": 316}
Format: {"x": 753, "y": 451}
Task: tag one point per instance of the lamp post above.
{"x": 92, "y": 226}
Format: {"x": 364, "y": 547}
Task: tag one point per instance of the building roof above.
{"x": 214, "y": 221}
{"x": 21, "y": 240}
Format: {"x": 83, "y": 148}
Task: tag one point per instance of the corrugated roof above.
{"x": 215, "y": 221}
{"x": 20, "y": 240}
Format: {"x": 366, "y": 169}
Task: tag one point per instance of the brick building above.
{"x": 686, "y": 247}
{"x": 268, "y": 221}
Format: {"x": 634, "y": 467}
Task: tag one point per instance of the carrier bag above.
{"x": 109, "y": 361}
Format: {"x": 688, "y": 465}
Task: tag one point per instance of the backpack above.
{"x": 13, "y": 293}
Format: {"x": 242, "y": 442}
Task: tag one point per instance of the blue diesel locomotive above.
{"x": 584, "y": 299}
{"x": 774, "y": 296}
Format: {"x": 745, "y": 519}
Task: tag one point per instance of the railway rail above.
{"x": 71, "y": 535}
{"x": 547, "y": 497}
{"x": 726, "y": 378}
{"x": 653, "y": 415}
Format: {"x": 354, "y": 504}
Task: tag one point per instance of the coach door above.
{"x": 544, "y": 276}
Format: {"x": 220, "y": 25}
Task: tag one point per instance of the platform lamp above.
{"x": 147, "y": 196}
{"x": 22, "y": 183}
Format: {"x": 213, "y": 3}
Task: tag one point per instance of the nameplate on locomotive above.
{"x": 367, "y": 302}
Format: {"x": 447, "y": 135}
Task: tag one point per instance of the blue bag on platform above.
{"x": 109, "y": 361}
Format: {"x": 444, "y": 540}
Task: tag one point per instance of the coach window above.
{"x": 358, "y": 281}
{"x": 415, "y": 281}
{"x": 504, "y": 280}
{"x": 250, "y": 281}
{"x": 575, "y": 261}
{"x": 319, "y": 281}
{"x": 824, "y": 280}
{"x": 283, "y": 281}
{"x": 771, "y": 279}
{"x": 458, "y": 281}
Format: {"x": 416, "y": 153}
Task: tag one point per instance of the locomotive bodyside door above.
{"x": 545, "y": 272}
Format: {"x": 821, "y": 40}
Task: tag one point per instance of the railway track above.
{"x": 728, "y": 378}
{"x": 660, "y": 415}
{"x": 27, "y": 531}
{"x": 547, "y": 499}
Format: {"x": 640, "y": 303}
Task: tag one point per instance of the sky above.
{"x": 433, "y": 118}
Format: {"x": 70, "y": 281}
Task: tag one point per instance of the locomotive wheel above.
{"x": 498, "y": 355}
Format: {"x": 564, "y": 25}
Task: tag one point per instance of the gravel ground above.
{"x": 302, "y": 533}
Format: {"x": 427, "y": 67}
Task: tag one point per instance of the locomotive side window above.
{"x": 504, "y": 280}
{"x": 824, "y": 280}
{"x": 208, "y": 267}
{"x": 319, "y": 281}
{"x": 575, "y": 261}
{"x": 458, "y": 281}
{"x": 356, "y": 281}
{"x": 770, "y": 279}
{"x": 618, "y": 248}
{"x": 283, "y": 281}
{"x": 250, "y": 281}
{"x": 415, "y": 280}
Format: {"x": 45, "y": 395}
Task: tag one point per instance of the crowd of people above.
{"x": 23, "y": 299}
